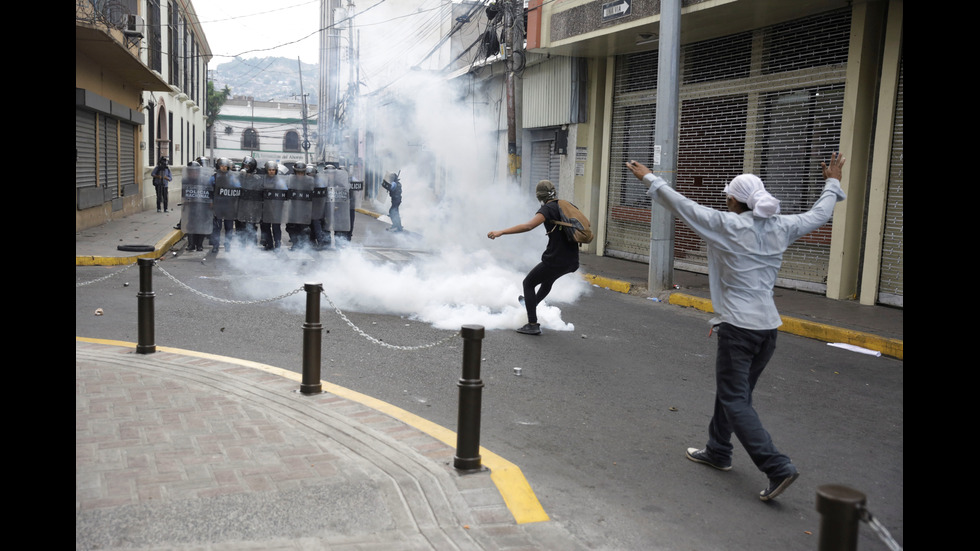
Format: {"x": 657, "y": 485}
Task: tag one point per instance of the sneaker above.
{"x": 777, "y": 486}
{"x": 701, "y": 456}
{"x": 521, "y": 300}
{"x": 530, "y": 329}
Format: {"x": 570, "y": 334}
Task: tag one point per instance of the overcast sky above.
{"x": 259, "y": 28}
{"x": 393, "y": 34}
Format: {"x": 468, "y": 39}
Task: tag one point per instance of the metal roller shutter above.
{"x": 85, "y": 166}
{"x": 768, "y": 101}
{"x": 891, "y": 288}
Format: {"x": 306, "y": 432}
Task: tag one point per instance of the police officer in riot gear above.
{"x": 196, "y": 217}
{"x": 298, "y": 226}
{"x": 223, "y": 167}
{"x": 394, "y": 187}
{"x": 271, "y": 225}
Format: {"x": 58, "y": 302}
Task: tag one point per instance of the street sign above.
{"x": 615, "y": 10}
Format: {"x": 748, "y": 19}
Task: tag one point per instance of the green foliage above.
{"x": 215, "y": 100}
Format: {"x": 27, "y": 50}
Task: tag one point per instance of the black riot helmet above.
{"x": 249, "y": 164}
{"x": 194, "y": 164}
{"x": 223, "y": 162}
{"x": 164, "y": 161}
{"x": 299, "y": 167}
{"x": 271, "y": 165}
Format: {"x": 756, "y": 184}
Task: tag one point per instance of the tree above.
{"x": 215, "y": 100}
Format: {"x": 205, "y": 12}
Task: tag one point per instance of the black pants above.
{"x": 162, "y": 196}
{"x": 544, "y": 275}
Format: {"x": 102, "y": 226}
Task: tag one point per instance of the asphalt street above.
{"x": 600, "y": 416}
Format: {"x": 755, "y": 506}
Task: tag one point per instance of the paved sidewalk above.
{"x": 178, "y": 450}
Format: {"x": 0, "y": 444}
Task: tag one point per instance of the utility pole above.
{"x": 306, "y": 139}
{"x": 329, "y": 76}
{"x": 661, "y": 271}
{"x": 511, "y": 37}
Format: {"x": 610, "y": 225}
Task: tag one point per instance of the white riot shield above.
{"x": 338, "y": 202}
{"x": 299, "y": 200}
{"x": 250, "y": 203}
{"x": 196, "y": 192}
{"x": 274, "y": 192}
{"x": 227, "y": 192}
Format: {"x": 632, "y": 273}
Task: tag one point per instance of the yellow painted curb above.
{"x": 811, "y": 329}
{"x": 367, "y": 212}
{"x": 159, "y": 250}
{"x": 510, "y": 481}
{"x": 611, "y": 284}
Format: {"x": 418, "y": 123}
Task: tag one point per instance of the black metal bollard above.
{"x": 145, "y": 340}
{"x": 470, "y": 401}
{"x": 840, "y": 508}
{"x": 312, "y": 331}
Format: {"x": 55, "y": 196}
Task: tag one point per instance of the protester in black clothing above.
{"x": 560, "y": 256}
{"x": 161, "y": 180}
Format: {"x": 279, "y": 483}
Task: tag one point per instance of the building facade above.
{"x": 140, "y": 93}
{"x": 265, "y": 130}
{"x": 766, "y": 87}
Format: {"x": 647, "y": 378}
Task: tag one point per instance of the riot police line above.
{"x": 250, "y": 206}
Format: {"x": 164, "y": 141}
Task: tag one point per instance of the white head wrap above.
{"x": 749, "y": 189}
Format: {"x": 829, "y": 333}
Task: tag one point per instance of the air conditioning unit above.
{"x": 134, "y": 26}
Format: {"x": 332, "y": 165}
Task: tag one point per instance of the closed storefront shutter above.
{"x": 767, "y": 101}
{"x": 109, "y": 156}
{"x": 85, "y": 175}
{"x": 127, "y": 157}
{"x": 891, "y": 288}
{"x": 544, "y": 162}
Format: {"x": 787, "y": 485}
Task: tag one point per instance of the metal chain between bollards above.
{"x": 379, "y": 341}
{"x": 879, "y": 529}
{"x": 225, "y": 300}
{"x": 105, "y": 277}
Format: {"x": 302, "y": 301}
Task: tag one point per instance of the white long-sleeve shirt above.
{"x": 745, "y": 251}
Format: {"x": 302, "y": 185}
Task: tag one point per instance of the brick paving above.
{"x": 178, "y": 451}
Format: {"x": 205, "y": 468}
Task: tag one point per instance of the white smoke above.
{"x": 446, "y": 152}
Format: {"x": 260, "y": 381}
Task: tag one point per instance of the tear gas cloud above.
{"x": 447, "y": 154}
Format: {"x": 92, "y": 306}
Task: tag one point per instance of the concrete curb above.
{"x": 159, "y": 250}
{"x": 811, "y": 329}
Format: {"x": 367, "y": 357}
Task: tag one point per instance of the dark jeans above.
{"x": 544, "y": 275}
{"x": 742, "y": 356}
{"x": 271, "y": 235}
{"x": 217, "y": 224}
{"x": 396, "y": 219}
{"x": 162, "y": 195}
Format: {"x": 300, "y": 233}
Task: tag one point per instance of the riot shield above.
{"x": 321, "y": 183}
{"x": 250, "y": 203}
{"x": 338, "y": 202}
{"x": 299, "y": 200}
{"x": 274, "y": 199}
{"x": 196, "y": 192}
{"x": 227, "y": 192}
